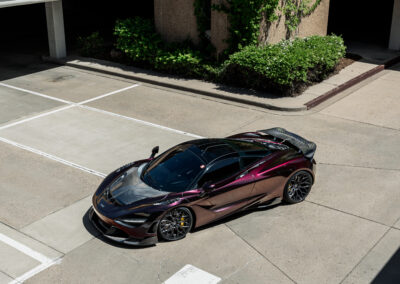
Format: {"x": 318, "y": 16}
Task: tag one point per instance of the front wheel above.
{"x": 175, "y": 224}
{"x": 298, "y": 187}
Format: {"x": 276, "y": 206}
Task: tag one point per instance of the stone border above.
{"x": 352, "y": 82}
{"x": 344, "y": 86}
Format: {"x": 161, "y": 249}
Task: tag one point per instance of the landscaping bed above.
{"x": 285, "y": 68}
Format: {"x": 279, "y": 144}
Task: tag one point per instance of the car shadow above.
{"x": 240, "y": 214}
{"x": 95, "y": 233}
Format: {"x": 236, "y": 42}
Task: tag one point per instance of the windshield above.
{"x": 175, "y": 170}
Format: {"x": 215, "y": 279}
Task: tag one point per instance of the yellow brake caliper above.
{"x": 182, "y": 223}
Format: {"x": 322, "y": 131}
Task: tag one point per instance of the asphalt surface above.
{"x": 63, "y": 129}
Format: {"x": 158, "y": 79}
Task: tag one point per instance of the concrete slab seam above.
{"x": 263, "y": 256}
{"x": 347, "y": 213}
{"x": 52, "y": 157}
{"x": 358, "y": 263}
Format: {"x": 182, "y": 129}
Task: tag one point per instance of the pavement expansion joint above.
{"x": 362, "y": 258}
{"x": 262, "y": 255}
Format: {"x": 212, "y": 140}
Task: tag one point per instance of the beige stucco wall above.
{"x": 315, "y": 24}
{"x": 219, "y": 28}
{"x": 175, "y": 20}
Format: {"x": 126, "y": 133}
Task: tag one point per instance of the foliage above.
{"x": 245, "y": 18}
{"x": 92, "y": 45}
{"x": 137, "y": 38}
{"x": 295, "y": 10}
{"x": 284, "y": 67}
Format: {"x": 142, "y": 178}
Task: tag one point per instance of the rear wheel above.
{"x": 298, "y": 187}
{"x": 175, "y": 224}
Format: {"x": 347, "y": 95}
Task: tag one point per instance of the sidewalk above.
{"x": 312, "y": 96}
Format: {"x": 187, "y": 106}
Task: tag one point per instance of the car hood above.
{"x": 129, "y": 188}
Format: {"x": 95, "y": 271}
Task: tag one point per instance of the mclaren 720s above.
{"x": 201, "y": 181}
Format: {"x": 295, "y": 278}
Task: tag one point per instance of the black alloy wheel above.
{"x": 298, "y": 187}
{"x": 175, "y": 224}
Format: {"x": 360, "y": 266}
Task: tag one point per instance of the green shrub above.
{"x": 136, "y": 37}
{"x": 92, "y": 45}
{"x": 285, "y": 67}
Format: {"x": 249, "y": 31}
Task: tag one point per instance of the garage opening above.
{"x": 365, "y": 21}
{"x": 23, "y": 29}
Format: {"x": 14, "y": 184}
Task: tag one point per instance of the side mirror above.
{"x": 154, "y": 152}
{"x": 208, "y": 186}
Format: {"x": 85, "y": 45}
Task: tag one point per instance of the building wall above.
{"x": 219, "y": 28}
{"x": 175, "y": 20}
{"x": 315, "y": 24}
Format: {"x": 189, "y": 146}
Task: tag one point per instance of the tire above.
{"x": 298, "y": 187}
{"x": 175, "y": 224}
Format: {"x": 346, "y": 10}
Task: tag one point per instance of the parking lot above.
{"x": 64, "y": 129}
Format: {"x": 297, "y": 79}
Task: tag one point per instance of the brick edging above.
{"x": 344, "y": 86}
{"x": 352, "y": 82}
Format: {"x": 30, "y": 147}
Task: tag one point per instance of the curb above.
{"x": 307, "y": 106}
{"x": 351, "y": 83}
{"x": 174, "y": 86}
{"x": 344, "y": 86}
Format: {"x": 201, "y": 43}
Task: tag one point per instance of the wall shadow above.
{"x": 390, "y": 273}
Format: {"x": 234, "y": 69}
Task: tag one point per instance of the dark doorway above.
{"x": 23, "y": 28}
{"x": 366, "y": 21}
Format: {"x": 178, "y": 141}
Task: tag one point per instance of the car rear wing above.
{"x": 306, "y": 147}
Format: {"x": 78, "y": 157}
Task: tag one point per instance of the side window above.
{"x": 247, "y": 161}
{"x": 220, "y": 171}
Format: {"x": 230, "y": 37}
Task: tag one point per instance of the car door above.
{"x": 230, "y": 191}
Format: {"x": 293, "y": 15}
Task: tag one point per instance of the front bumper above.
{"x": 116, "y": 234}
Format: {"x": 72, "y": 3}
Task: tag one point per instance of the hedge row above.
{"x": 284, "y": 68}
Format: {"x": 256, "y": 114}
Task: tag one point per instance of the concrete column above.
{"x": 175, "y": 20}
{"x": 55, "y": 29}
{"x": 394, "y": 42}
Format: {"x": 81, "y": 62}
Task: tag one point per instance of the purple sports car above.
{"x": 200, "y": 181}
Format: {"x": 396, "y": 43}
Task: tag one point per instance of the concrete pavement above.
{"x": 55, "y": 149}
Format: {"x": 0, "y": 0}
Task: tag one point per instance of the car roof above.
{"x": 212, "y": 149}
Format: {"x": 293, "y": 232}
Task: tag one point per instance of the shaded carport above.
{"x": 55, "y": 23}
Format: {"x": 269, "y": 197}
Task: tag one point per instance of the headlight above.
{"x": 131, "y": 222}
{"x": 167, "y": 202}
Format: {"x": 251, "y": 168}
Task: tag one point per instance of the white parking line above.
{"x": 193, "y": 275}
{"x": 45, "y": 262}
{"x": 24, "y": 249}
{"x": 142, "y": 121}
{"x": 34, "y": 271}
{"x": 35, "y": 93}
{"x": 52, "y": 157}
{"x": 108, "y": 94}
{"x": 34, "y": 117}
